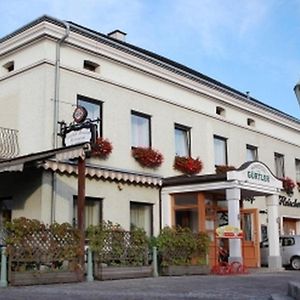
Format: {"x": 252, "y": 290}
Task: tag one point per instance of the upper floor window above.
{"x": 250, "y": 122}
{"x": 140, "y": 130}
{"x": 9, "y": 66}
{"x": 90, "y": 66}
{"x": 297, "y": 162}
{"x": 94, "y": 109}
{"x": 220, "y": 148}
{"x": 251, "y": 153}
{"x": 182, "y": 140}
{"x": 220, "y": 111}
{"x": 279, "y": 165}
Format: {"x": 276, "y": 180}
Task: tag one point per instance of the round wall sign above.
{"x": 79, "y": 114}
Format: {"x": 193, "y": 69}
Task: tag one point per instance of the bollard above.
{"x": 3, "y": 275}
{"x": 154, "y": 262}
{"x": 90, "y": 276}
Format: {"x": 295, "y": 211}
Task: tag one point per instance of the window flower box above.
{"x": 188, "y": 165}
{"x": 222, "y": 169}
{"x": 102, "y": 272}
{"x": 147, "y": 157}
{"x": 102, "y": 148}
{"x": 288, "y": 185}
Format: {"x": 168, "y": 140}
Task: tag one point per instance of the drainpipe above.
{"x": 56, "y": 113}
{"x": 57, "y": 82}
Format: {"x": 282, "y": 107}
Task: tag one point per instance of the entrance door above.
{"x": 249, "y": 225}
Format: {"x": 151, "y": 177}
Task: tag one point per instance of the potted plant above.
{"x": 147, "y": 157}
{"x": 42, "y": 254}
{"x": 101, "y": 148}
{"x": 288, "y": 185}
{"x": 188, "y": 165}
{"x": 182, "y": 252}
{"x": 222, "y": 169}
{"x": 118, "y": 253}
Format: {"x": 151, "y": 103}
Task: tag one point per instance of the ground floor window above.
{"x": 92, "y": 211}
{"x": 290, "y": 226}
{"x": 141, "y": 216}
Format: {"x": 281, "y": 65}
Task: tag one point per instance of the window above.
{"x": 94, "y": 109}
{"x": 140, "y": 130}
{"x": 220, "y": 147}
{"x": 279, "y": 165}
{"x": 186, "y": 211}
{"x": 90, "y": 66}
{"x": 9, "y": 66}
{"x": 220, "y": 111}
{"x": 141, "y": 216}
{"x": 92, "y": 211}
{"x": 297, "y": 162}
{"x": 251, "y": 153}
{"x": 182, "y": 140}
{"x": 250, "y": 122}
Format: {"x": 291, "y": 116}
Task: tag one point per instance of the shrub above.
{"x": 113, "y": 245}
{"x": 178, "y": 246}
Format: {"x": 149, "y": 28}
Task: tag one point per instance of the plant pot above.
{"x": 37, "y": 277}
{"x": 185, "y": 270}
{"x": 121, "y": 272}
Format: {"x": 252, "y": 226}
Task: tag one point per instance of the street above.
{"x": 258, "y": 285}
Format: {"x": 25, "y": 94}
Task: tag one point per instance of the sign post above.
{"x": 81, "y": 204}
{"x": 82, "y": 130}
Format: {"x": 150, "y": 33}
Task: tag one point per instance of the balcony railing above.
{"x": 9, "y": 146}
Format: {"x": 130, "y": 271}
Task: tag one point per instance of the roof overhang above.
{"x": 18, "y": 163}
{"x": 253, "y": 178}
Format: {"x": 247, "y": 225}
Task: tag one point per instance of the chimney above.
{"x": 118, "y": 35}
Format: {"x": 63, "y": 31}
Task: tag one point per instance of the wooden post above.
{"x": 3, "y": 276}
{"x": 81, "y": 205}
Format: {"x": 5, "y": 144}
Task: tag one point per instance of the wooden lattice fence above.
{"x": 41, "y": 254}
{"x": 118, "y": 253}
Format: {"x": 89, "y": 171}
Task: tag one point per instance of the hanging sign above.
{"x": 80, "y": 136}
{"x": 82, "y": 130}
{"x": 229, "y": 232}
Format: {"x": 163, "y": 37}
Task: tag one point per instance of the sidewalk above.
{"x": 256, "y": 285}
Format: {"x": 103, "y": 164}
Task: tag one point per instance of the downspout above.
{"x": 57, "y": 83}
{"x": 56, "y": 114}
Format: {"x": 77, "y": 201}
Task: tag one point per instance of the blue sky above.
{"x": 250, "y": 45}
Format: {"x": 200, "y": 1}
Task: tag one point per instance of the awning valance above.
{"x": 17, "y": 163}
{"x": 94, "y": 171}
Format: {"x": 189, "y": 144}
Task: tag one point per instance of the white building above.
{"x": 48, "y": 67}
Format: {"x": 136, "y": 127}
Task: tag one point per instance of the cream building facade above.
{"x": 49, "y": 66}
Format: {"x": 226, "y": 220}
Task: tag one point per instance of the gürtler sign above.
{"x": 256, "y": 173}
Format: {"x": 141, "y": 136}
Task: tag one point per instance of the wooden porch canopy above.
{"x": 17, "y": 164}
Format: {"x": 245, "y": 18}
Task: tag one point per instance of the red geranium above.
{"x": 288, "y": 185}
{"x": 188, "y": 165}
{"x": 147, "y": 157}
{"x": 101, "y": 148}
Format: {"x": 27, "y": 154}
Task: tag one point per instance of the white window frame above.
{"x": 251, "y": 151}
{"x": 140, "y": 130}
{"x": 220, "y": 150}
{"x": 279, "y": 165}
{"x": 182, "y": 140}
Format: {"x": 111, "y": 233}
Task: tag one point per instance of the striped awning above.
{"x": 94, "y": 171}
{"x": 18, "y": 163}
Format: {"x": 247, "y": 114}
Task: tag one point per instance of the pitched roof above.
{"x": 155, "y": 59}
